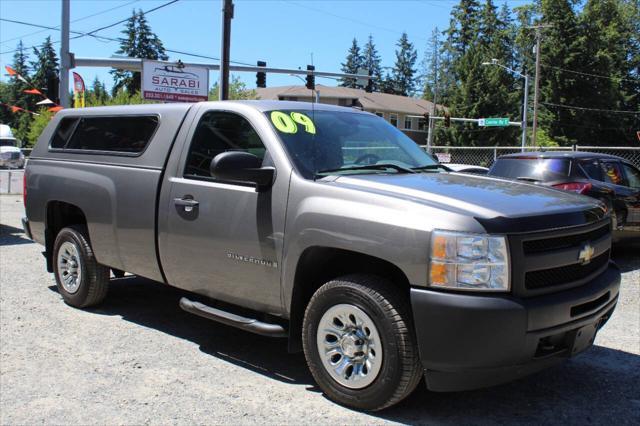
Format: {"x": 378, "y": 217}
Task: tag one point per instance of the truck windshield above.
{"x": 336, "y": 142}
{"x": 7, "y": 142}
{"x": 534, "y": 169}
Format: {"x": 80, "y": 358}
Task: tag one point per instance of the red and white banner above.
{"x": 78, "y": 91}
{"x": 172, "y": 83}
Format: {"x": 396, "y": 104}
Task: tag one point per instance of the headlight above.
{"x": 475, "y": 262}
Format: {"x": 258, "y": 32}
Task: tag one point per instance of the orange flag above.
{"x": 10, "y": 70}
{"x": 33, "y": 92}
{"x": 15, "y": 108}
{"x": 55, "y": 108}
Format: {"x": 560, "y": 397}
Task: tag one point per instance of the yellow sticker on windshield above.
{"x": 304, "y": 120}
{"x": 287, "y": 123}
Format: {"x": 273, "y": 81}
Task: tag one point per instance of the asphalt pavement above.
{"x": 139, "y": 359}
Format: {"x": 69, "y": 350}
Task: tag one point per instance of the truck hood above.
{"x": 496, "y": 203}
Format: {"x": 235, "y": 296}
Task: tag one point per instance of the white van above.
{"x": 10, "y": 154}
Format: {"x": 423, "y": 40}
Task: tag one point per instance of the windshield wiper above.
{"x": 379, "y": 166}
{"x": 432, "y": 167}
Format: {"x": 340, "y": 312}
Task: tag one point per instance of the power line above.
{"x": 75, "y": 20}
{"x": 592, "y": 75}
{"x": 612, "y": 111}
{"x": 92, "y": 32}
{"x": 346, "y": 18}
{"x": 111, "y": 39}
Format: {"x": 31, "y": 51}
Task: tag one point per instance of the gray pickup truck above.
{"x": 329, "y": 227}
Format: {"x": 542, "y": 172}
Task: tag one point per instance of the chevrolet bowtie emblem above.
{"x": 586, "y": 253}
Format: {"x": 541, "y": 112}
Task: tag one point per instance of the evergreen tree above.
{"x": 430, "y": 67}
{"x": 371, "y": 61}
{"x": 139, "y": 42}
{"x": 13, "y": 92}
{"x": 98, "y": 93}
{"x": 464, "y": 26}
{"x": 46, "y": 71}
{"x": 353, "y": 63}
{"x": 560, "y": 50}
{"x": 404, "y": 68}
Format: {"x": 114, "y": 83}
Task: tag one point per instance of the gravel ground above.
{"x": 139, "y": 359}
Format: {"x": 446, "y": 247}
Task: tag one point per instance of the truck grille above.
{"x": 567, "y": 241}
{"x": 564, "y": 274}
{"x": 546, "y": 262}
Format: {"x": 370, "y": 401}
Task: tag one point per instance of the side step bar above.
{"x": 243, "y": 323}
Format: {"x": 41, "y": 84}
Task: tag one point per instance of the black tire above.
{"x": 94, "y": 279}
{"x": 390, "y": 311}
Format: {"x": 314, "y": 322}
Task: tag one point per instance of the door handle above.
{"x": 188, "y": 203}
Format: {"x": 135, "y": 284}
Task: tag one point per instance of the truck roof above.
{"x": 260, "y": 105}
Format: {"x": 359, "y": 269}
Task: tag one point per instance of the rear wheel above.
{"x": 81, "y": 280}
{"x": 359, "y": 342}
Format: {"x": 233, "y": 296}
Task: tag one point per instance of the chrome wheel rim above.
{"x": 349, "y": 346}
{"x": 69, "y": 270}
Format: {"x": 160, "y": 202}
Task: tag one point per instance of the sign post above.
{"x": 174, "y": 83}
{"x": 493, "y": 122}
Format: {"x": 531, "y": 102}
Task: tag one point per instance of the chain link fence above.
{"x": 485, "y": 156}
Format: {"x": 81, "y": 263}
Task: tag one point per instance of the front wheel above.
{"x": 359, "y": 342}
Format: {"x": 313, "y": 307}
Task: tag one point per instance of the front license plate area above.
{"x": 583, "y": 338}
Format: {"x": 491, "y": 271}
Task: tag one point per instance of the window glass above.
{"x": 592, "y": 169}
{"x": 63, "y": 132}
{"x": 393, "y": 119}
{"x": 8, "y": 142}
{"x": 318, "y": 141}
{"x": 219, "y": 132}
{"x": 422, "y": 123}
{"x": 407, "y": 123}
{"x": 125, "y": 134}
{"x": 612, "y": 172}
{"x": 540, "y": 169}
{"x": 380, "y": 114}
{"x": 633, "y": 175}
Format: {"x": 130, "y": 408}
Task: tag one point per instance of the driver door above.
{"x": 218, "y": 238}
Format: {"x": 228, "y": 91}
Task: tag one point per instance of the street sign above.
{"x": 493, "y": 122}
{"x": 174, "y": 83}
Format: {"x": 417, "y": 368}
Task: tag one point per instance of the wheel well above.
{"x": 318, "y": 265}
{"x": 59, "y": 215}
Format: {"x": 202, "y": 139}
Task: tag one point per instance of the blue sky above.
{"x": 284, "y": 33}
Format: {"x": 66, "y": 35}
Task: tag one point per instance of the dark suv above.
{"x": 606, "y": 177}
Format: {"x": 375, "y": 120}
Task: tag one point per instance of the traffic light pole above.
{"x": 65, "y": 59}
{"x": 227, "y": 15}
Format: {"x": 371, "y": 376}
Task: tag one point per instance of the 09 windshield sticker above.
{"x": 288, "y": 123}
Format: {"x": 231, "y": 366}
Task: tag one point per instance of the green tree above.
{"x": 237, "y": 91}
{"x": 46, "y": 71}
{"x": 38, "y": 125}
{"x": 430, "y": 66}
{"x": 352, "y": 64}
{"x": 606, "y": 33}
{"x": 404, "y": 68}
{"x": 139, "y": 42}
{"x": 97, "y": 94}
{"x": 372, "y": 62}
{"x": 13, "y": 92}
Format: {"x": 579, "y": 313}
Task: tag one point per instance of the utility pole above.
{"x": 227, "y": 16}
{"x": 431, "y": 123}
{"x": 65, "y": 58}
{"x": 524, "y": 111}
{"x": 536, "y": 96}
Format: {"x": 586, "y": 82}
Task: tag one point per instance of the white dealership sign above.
{"x": 172, "y": 83}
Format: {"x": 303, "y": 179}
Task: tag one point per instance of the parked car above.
{"x": 329, "y": 227}
{"x": 11, "y": 155}
{"x": 467, "y": 168}
{"x": 611, "y": 179}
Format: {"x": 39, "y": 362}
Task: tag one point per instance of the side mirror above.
{"x": 239, "y": 166}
